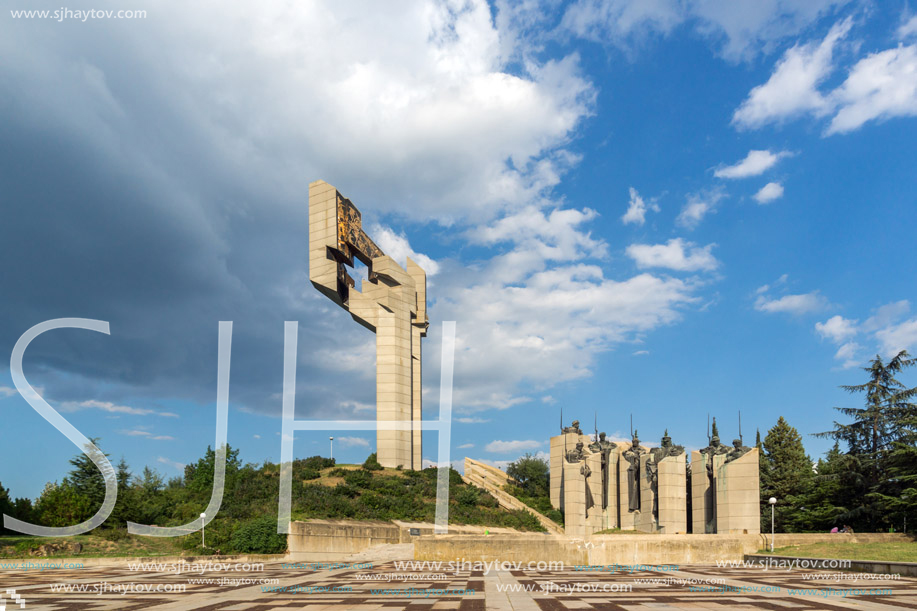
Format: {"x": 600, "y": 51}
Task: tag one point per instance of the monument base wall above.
{"x": 593, "y": 550}
{"x": 604, "y": 550}
{"x": 338, "y": 539}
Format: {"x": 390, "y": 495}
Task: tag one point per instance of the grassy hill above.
{"x": 247, "y": 519}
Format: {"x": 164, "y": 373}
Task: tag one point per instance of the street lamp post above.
{"x": 203, "y": 543}
{"x": 331, "y": 439}
{"x": 773, "y": 502}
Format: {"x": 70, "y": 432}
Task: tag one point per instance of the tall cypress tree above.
{"x": 882, "y": 482}
{"x": 787, "y": 475}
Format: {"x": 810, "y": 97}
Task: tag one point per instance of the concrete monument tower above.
{"x": 392, "y": 304}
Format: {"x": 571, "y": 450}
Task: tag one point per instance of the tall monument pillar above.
{"x": 725, "y": 488}
{"x": 392, "y": 304}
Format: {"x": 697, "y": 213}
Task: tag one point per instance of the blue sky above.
{"x": 661, "y": 209}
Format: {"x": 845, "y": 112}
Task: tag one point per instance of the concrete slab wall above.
{"x": 338, "y": 539}
{"x": 618, "y": 549}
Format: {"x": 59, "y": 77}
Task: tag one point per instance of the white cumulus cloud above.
{"x": 739, "y": 29}
{"x": 837, "y": 328}
{"x": 880, "y": 86}
{"x": 897, "y": 337}
{"x": 108, "y": 406}
{"x": 180, "y": 466}
{"x": 847, "y": 354}
{"x": 887, "y": 328}
{"x": 769, "y": 192}
{"x": 636, "y": 209}
{"x": 697, "y": 206}
{"x": 352, "y": 442}
{"x": 755, "y": 163}
{"x": 398, "y": 248}
{"x": 505, "y": 447}
{"x": 676, "y": 254}
{"x": 146, "y": 434}
{"x": 558, "y": 235}
{"x": 793, "y": 304}
{"x": 908, "y": 28}
{"x": 792, "y": 89}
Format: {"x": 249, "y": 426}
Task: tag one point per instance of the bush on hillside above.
{"x": 259, "y": 536}
{"x": 372, "y": 463}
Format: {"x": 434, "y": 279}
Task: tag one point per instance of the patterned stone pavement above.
{"x": 103, "y": 589}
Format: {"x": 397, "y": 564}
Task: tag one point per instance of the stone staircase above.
{"x": 492, "y": 480}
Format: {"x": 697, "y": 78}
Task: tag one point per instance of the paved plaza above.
{"x": 117, "y": 588}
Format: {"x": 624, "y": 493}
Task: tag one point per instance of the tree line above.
{"x": 247, "y": 519}
{"x": 867, "y": 480}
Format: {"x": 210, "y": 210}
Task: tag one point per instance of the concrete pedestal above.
{"x": 672, "y": 495}
{"x": 738, "y": 494}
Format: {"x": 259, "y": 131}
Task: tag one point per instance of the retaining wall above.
{"x": 619, "y": 549}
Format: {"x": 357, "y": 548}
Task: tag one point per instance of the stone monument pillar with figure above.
{"x": 629, "y": 469}
{"x": 392, "y": 303}
{"x": 738, "y": 492}
{"x": 665, "y": 487}
{"x": 725, "y": 488}
{"x": 560, "y": 446}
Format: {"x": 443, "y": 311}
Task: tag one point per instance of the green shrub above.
{"x": 112, "y": 534}
{"x": 467, "y": 496}
{"x": 259, "y": 536}
{"x": 533, "y": 475}
{"x": 317, "y": 463}
{"x": 541, "y": 504}
{"x": 308, "y": 474}
{"x": 372, "y": 463}
{"x": 358, "y": 478}
{"x": 486, "y": 499}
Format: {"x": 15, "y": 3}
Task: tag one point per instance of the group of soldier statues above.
{"x": 637, "y": 468}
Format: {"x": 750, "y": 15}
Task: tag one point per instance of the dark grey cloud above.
{"x": 154, "y": 174}
{"x": 136, "y": 219}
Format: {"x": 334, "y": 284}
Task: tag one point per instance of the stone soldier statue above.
{"x": 576, "y": 454}
{"x": 652, "y": 476}
{"x": 652, "y": 466}
{"x": 602, "y": 445}
{"x": 605, "y": 447}
{"x": 737, "y": 450}
{"x": 667, "y": 448}
{"x": 714, "y": 449}
{"x": 585, "y": 471}
{"x": 632, "y": 456}
{"x": 574, "y": 428}
{"x": 715, "y": 446}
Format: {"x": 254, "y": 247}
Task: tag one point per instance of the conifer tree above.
{"x": 86, "y": 478}
{"x": 787, "y": 475}
{"x": 825, "y": 502}
{"x": 882, "y": 474}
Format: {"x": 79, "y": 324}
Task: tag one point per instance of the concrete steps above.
{"x": 492, "y": 480}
